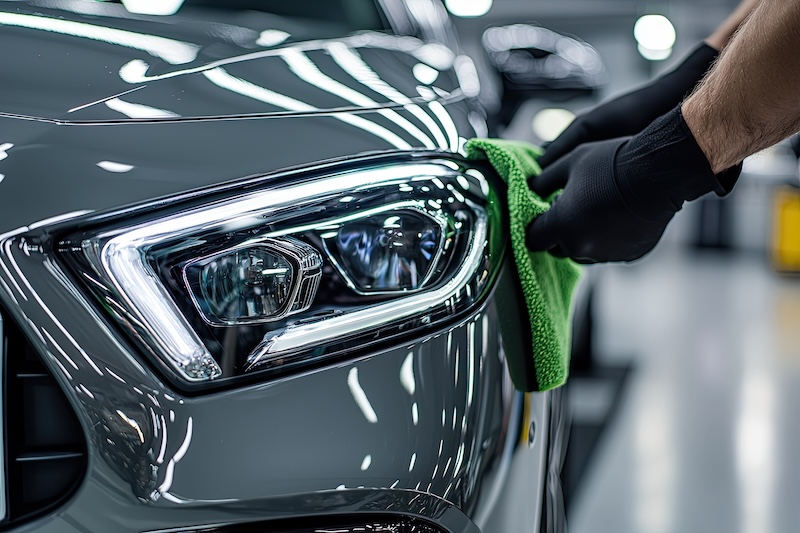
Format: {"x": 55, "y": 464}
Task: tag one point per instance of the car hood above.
{"x": 95, "y": 115}
{"x": 80, "y": 61}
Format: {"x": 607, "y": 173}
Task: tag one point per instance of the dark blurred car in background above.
{"x": 248, "y": 282}
{"x": 538, "y": 63}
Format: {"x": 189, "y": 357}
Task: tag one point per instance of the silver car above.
{"x": 249, "y": 283}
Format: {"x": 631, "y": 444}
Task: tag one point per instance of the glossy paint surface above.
{"x": 65, "y": 126}
{"x": 428, "y": 417}
{"x": 91, "y": 52}
{"x": 430, "y": 427}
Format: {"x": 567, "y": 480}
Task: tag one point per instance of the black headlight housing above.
{"x": 299, "y": 268}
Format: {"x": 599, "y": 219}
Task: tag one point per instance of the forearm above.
{"x": 751, "y": 98}
{"x": 725, "y": 31}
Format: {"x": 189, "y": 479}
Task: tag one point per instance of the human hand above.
{"x": 631, "y": 113}
{"x": 620, "y": 194}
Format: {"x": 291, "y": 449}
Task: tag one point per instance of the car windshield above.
{"x": 345, "y": 15}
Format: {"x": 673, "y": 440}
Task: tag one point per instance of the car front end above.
{"x": 249, "y": 283}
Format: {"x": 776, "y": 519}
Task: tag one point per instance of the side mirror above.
{"x": 535, "y": 62}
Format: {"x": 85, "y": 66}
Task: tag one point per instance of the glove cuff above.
{"x": 669, "y": 159}
{"x": 674, "y": 86}
{"x": 697, "y": 63}
{"x": 721, "y": 183}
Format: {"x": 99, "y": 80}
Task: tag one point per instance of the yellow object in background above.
{"x": 786, "y": 230}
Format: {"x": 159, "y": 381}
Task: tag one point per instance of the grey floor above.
{"x": 707, "y": 438}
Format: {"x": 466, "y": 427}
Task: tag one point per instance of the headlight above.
{"x": 296, "y": 269}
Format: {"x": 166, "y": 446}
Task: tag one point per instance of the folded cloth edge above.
{"x": 548, "y": 282}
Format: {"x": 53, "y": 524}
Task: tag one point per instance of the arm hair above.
{"x": 750, "y": 100}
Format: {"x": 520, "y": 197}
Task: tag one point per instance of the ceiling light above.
{"x": 550, "y": 122}
{"x": 654, "y": 32}
{"x": 654, "y": 55}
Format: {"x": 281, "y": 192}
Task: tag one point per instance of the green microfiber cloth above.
{"x": 547, "y": 281}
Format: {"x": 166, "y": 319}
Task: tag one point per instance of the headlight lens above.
{"x": 389, "y": 252}
{"x": 261, "y": 280}
{"x": 300, "y": 268}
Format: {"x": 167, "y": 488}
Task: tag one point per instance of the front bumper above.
{"x": 450, "y": 446}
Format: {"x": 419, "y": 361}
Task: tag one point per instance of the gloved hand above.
{"x": 620, "y": 194}
{"x": 631, "y": 113}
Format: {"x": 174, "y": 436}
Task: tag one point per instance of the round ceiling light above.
{"x": 654, "y": 55}
{"x": 550, "y": 122}
{"x": 654, "y": 32}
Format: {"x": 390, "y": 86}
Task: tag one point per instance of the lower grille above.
{"x": 44, "y": 447}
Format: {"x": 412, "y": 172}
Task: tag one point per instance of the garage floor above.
{"x": 707, "y": 435}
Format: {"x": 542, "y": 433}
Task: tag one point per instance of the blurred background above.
{"x": 686, "y": 366}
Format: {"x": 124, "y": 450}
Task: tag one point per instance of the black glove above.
{"x": 619, "y": 195}
{"x": 631, "y": 113}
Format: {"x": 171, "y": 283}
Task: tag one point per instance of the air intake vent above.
{"x": 44, "y": 447}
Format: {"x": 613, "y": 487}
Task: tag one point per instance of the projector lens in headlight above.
{"x": 388, "y": 252}
{"x": 241, "y": 285}
{"x": 258, "y": 281}
{"x": 296, "y": 269}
